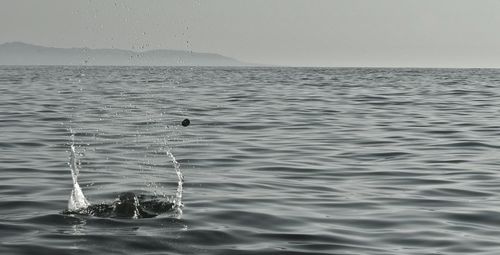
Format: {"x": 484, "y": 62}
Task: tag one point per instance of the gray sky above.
{"x": 424, "y": 33}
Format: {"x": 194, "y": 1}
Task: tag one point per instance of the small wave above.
{"x": 379, "y": 156}
{"x": 483, "y": 219}
{"x": 468, "y": 145}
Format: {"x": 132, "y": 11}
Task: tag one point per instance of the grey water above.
{"x": 275, "y": 161}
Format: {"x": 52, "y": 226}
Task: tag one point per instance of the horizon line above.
{"x": 257, "y": 66}
{"x": 247, "y": 64}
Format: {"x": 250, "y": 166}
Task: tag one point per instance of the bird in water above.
{"x": 128, "y": 205}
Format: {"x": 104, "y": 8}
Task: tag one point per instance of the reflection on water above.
{"x": 79, "y": 228}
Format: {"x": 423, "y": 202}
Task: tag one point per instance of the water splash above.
{"x": 77, "y": 200}
{"x": 78, "y": 203}
{"x": 178, "y": 194}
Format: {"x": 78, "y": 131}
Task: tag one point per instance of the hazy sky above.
{"x": 439, "y": 33}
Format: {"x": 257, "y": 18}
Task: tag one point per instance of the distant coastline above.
{"x": 19, "y": 53}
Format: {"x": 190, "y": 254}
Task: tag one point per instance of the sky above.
{"x": 379, "y": 33}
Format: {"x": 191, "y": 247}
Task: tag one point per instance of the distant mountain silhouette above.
{"x": 18, "y": 53}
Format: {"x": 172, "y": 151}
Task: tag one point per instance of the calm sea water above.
{"x": 276, "y": 160}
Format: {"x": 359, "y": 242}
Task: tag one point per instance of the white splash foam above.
{"x": 178, "y": 194}
{"x": 77, "y": 200}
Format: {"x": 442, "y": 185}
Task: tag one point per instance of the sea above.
{"x": 349, "y": 161}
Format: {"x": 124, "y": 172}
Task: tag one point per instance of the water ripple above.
{"x": 276, "y": 160}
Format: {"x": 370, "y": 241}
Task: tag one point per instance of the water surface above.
{"x": 276, "y": 160}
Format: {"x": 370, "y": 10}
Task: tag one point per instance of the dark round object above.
{"x": 186, "y": 122}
